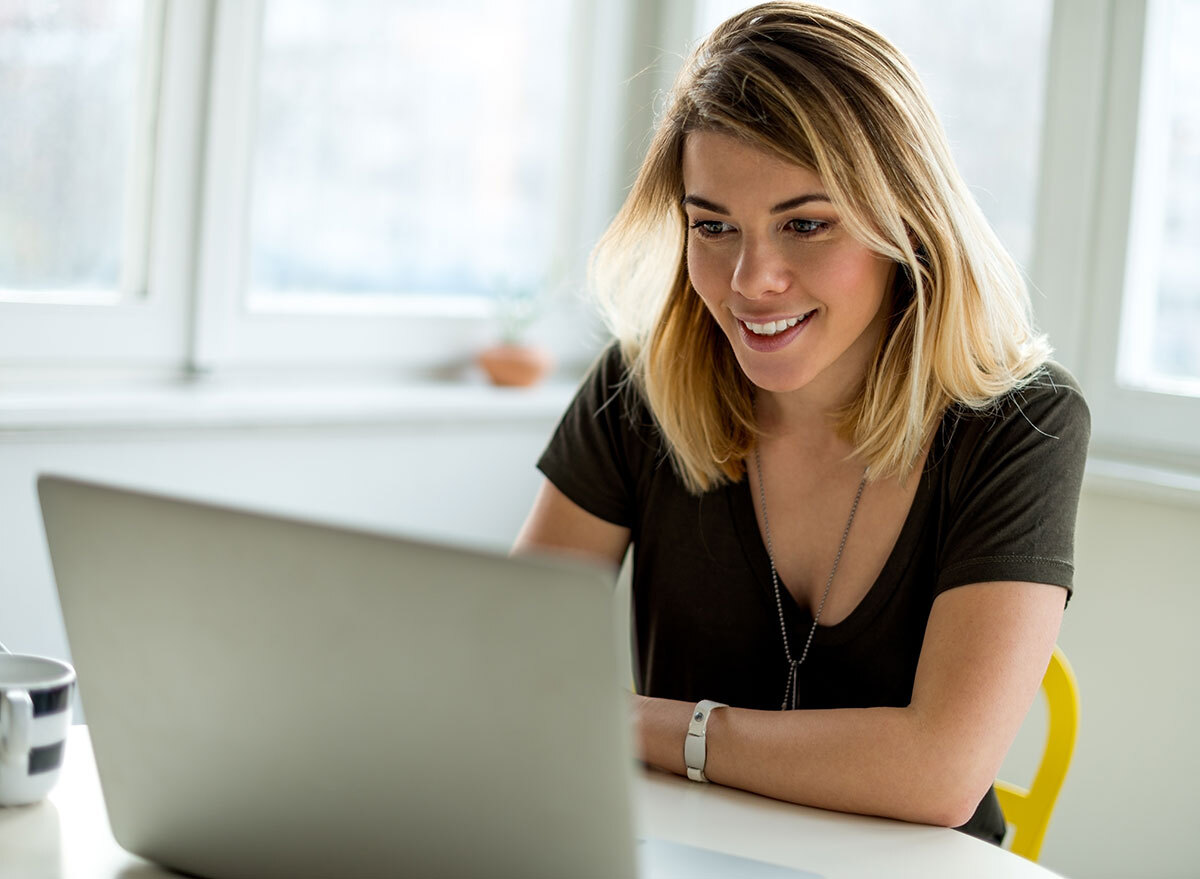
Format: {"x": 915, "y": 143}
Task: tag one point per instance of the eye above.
{"x": 710, "y": 228}
{"x": 807, "y": 228}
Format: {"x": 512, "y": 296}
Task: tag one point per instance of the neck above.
{"x": 798, "y": 412}
{"x": 809, "y": 415}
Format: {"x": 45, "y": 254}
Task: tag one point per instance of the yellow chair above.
{"x": 1029, "y": 810}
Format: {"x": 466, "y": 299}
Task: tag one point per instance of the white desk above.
{"x": 68, "y": 837}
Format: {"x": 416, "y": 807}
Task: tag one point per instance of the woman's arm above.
{"x": 985, "y": 651}
{"x": 558, "y": 524}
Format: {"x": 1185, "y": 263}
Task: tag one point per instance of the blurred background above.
{"x": 249, "y": 252}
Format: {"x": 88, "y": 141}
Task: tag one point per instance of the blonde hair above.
{"x": 823, "y": 91}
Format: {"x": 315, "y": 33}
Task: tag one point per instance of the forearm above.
{"x": 877, "y": 761}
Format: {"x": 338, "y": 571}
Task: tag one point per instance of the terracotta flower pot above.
{"x": 515, "y": 365}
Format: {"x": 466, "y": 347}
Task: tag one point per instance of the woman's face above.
{"x": 802, "y": 302}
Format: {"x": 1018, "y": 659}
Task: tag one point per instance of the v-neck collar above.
{"x": 798, "y": 619}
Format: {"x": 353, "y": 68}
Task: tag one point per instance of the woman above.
{"x": 846, "y": 466}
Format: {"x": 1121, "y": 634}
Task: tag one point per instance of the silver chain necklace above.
{"x": 789, "y": 690}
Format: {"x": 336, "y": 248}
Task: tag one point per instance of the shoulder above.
{"x": 613, "y": 385}
{"x": 1051, "y": 385}
{"x": 1048, "y": 402}
{"x": 1010, "y": 474}
{"x": 610, "y": 402}
{"x": 597, "y": 455}
{"x": 611, "y": 364}
{"x": 1040, "y": 429}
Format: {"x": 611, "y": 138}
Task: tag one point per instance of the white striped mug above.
{"x": 35, "y": 715}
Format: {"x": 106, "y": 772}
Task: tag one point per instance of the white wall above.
{"x": 1127, "y": 806}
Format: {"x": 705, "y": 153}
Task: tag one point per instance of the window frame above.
{"x": 1088, "y": 250}
{"x": 408, "y": 330}
{"x": 141, "y": 323}
{"x": 184, "y": 313}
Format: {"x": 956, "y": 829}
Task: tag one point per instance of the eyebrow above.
{"x": 705, "y": 204}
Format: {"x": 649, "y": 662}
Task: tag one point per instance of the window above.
{"x": 266, "y": 183}
{"x": 1116, "y": 216}
{"x": 96, "y": 180}
{"x": 374, "y": 171}
{"x": 1160, "y": 324}
{"x": 307, "y": 183}
{"x": 407, "y": 148}
{"x": 71, "y": 218}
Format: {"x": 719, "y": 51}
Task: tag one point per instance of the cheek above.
{"x": 859, "y": 276}
{"x": 705, "y": 273}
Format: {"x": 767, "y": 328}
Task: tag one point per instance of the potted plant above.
{"x": 514, "y": 362}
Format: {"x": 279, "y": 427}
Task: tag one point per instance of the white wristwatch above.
{"x": 694, "y": 749}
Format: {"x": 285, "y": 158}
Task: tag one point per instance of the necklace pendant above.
{"x": 790, "y": 689}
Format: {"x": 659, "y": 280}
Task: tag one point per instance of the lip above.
{"x": 767, "y": 344}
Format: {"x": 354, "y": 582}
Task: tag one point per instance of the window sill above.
{"x": 207, "y": 404}
{"x": 204, "y": 404}
{"x": 1136, "y": 481}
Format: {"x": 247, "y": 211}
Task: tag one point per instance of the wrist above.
{"x": 661, "y": 726}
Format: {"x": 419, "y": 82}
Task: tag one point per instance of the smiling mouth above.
{"x": 771, "y": 328}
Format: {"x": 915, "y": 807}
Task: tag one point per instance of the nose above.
{"x": 762, "y": 269}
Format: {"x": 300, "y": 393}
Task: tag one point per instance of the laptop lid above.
{"x": 278, "y": 698}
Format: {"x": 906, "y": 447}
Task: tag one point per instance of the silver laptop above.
{"x": 277, "y": 698}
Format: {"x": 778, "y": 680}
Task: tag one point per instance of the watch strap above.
{"x": 695, "y": 751}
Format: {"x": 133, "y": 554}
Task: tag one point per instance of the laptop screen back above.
{"x": 276, "y": 698}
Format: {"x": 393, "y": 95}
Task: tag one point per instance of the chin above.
{"x": 778, "y": 387}
{"x": 778, "y": 380}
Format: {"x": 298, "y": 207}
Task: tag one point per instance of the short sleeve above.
{"x": 1013, "y": 487}
{"x": 590, "y": 457}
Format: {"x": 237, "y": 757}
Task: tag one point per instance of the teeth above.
{"x": 770, "y": 328}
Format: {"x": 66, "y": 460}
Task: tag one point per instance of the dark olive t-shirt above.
{"x": 996, "y": 501}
